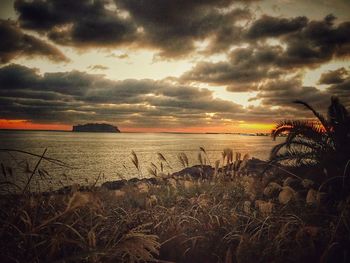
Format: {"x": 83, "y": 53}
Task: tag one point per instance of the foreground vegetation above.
{"x": 222, "y": 218}
{"x": 230, "y": 213}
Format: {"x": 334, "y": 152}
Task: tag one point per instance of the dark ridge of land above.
{"x": 95, "y": 127}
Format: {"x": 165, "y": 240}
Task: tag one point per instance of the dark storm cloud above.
{"x": 318, "y": 42}
{"x": 77, "y": 23}
{"x": 261, "y": 55}
{"x": 276, "y": 95}
{"x": 268, "y": 26}
{"x": 277, "y": 98}
{"x": 172, "y": 27}
{"x": 340, "y": 80}
{"x": 223, "y": 39}
{"x": 314, "y": 44}
{"x": 77, "y": 96}
{"x": 14, "y": 43}
{"x": 73, "y": 97}
{"x": 245, "y": 68}
{"x": 281, "y": 92}
{"x": 334, "y": 76}
{"x": 17, "y": 76}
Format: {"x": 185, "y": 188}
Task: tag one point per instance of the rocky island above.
{"x": 95, "y": 127}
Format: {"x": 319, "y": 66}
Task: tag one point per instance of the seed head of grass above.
{"x": 135, "y": 160}
{"x": 227, "y": 154}
{"x": 182, "y": 157}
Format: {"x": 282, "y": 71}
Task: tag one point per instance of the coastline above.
{"x": 157, "y": 216}
{"x": 161, "y": 132}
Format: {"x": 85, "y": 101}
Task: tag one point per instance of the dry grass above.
{"x": 223, "y": 219}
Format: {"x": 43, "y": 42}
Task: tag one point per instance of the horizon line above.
{"x": 173, "y": 132}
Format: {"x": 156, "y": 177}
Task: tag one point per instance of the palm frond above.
{"x": 299, "y": 144}
{"x": 293, "y": 157}
{"x": 302, "y": 128}
{"x": 318, "y": 115}
{"x": 310, "y": 131}
{"x": 285, "y": 126}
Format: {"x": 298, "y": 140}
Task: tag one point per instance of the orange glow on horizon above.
{"x": 28, "y": 125}
{"x": 179, "y": 130}
{"x": 256, "y": 127}
{"x": 240, "y": 128}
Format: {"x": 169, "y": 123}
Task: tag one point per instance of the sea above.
{"x": 89, "y": 158}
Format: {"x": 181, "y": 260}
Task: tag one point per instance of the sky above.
{"x": 170, "y": 65}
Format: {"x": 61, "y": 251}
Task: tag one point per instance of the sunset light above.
{"x": 27, "y": 125}
{"x": 175, "y": 131}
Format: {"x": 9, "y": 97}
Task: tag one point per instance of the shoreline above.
{"x": 257, "y": 134}
{"x": 252, "y": 168}
{"x": 201, "y": 202}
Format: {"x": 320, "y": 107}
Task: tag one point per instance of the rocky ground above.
{"x": 239, "y": 212}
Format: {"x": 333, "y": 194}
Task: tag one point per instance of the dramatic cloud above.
{"x": 14, "y": 43}
{"x": 281, "y": 93}
{"x": 334, "y": 76}
{"x": 342, "y": 90}
{"x": 78, "y": 23}
{"x": 268, "y": 26}
{"x": 172, "y": 27}
{"x": 232, "y": 44}
{"x": 243, "y": 71}
{"x": 77, "y": 97}
{"x": 340, "y": 80}
{"x": 318, "y": 42}
{"x": 313, "y": 44}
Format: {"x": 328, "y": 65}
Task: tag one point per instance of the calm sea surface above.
{"x": 109, "y": 154}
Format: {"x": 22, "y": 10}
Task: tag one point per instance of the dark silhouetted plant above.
{"x": 323, "y": 143}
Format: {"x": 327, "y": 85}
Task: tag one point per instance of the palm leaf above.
{"x": 318, "y": 115}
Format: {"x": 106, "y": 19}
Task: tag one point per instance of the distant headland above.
{"x": 95, "y": 127}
